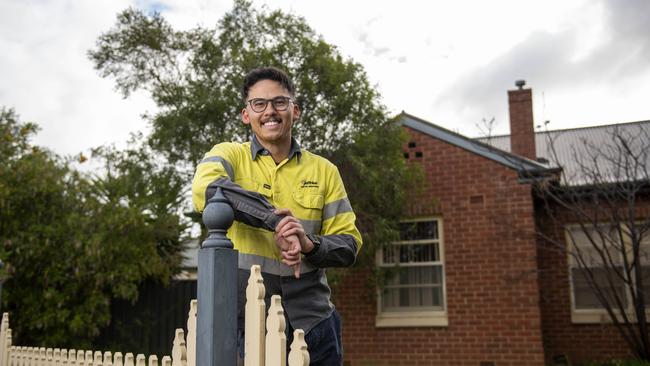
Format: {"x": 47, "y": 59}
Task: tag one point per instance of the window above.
{"x": 602, "y": 251}
{"x": 415, "y": 294}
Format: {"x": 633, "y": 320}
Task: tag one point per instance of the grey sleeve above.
{"x": 339, "y": 250}
{"x": 250, "y": 207}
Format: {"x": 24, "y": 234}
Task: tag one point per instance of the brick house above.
{"x": 475, "y": 284}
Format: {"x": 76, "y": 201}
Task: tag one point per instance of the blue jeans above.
{"x": 323, "y": 342}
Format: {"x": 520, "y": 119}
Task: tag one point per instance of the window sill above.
{"x": 597, "y": 317}
{"x": 412, "y": 319}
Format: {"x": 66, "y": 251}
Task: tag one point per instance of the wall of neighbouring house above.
{"x": 490, "y": 266}
{"x": 579, "y": 342}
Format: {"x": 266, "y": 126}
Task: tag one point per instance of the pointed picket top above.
{"x": 72, "y": 357}
{"x": 8, "y": 346}
{"x": 299, "y": 356}
{"x": 4, "y": 325}
{"x": 191, "y": 333}
{"x": 140, "y": 360}
{"x": 108, "y": 358}
{"x": 88, "y": 359}
{"x": 128, "y": 359}
{"x": 254, "y": 327}
{"x": 153, "y": 360}
{"x": 276, "y": 340}
{"x": 63, "y": 360}
{"x": 179, "y": 352}
{"x": 12, "y": 355}
{"x": 166, "y": 361}
{"x": 117, "y": 359}
{"x": 80, "y": 357}
{"x": 97, "y": 359}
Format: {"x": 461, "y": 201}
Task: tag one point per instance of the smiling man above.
{"x": 293, "y": 217}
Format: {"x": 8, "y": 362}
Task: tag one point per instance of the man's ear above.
{"x": 245, "y": 117}
{"x": 296, "y": 111}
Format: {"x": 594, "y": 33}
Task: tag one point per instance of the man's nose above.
{"x": 270, "y": 108}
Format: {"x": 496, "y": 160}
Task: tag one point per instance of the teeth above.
{"x": 270, "y": 123}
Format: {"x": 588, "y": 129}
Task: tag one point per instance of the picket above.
{"x": 298, "y": 355}
{"x": 276, "y": 340}
{"x": 117, "y": 359}
{"x": 254, "y": 328}
{"x": 191, "y": 333}
{"x": 128, "y": 359}
{"x": 153, "y": 360}
{"x": 179, "y": 351}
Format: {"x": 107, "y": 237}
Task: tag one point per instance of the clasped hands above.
{"x": 290, "y": 237}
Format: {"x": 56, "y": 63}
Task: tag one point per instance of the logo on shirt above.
{"x": 308, "y": 184}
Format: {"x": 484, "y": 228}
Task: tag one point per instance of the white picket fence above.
{"x": 262, "y": 349}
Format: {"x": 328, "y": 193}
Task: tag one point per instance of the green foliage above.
{"x": 194, "y": 77}
{"x": 73, "y": 242}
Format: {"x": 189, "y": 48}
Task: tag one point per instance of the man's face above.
{"x": 270, "y": 126}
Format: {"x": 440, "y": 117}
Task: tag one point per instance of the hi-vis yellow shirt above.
{"x": 307, "y": 184}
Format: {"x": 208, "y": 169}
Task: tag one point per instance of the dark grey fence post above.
{"x": 216, "y": 338}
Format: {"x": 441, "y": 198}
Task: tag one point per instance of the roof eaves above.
{"x": 516, "y": 162}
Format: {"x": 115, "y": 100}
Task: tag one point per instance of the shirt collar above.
{"x": 258, "y": 149}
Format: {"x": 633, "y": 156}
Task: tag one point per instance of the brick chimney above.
{"x": 522, "y": 131}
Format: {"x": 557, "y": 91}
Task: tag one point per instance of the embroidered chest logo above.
{"x": 308, "y": 184}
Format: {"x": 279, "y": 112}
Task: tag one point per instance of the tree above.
{"x": 604, "y": 191}
{"x": 72, "y": 242}
{"x": 194, "y": 78}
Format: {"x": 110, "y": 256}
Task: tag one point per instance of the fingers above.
{"x": 287, "y": 220}
{"x": 296, "y": 270}
{"x": 298, "y": 231}
{"x": 283, "y": 211}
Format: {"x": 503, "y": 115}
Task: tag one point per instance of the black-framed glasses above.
{"x": 279, "y": 104}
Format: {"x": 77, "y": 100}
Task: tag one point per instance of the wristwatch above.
{"x": 316, "y": 241}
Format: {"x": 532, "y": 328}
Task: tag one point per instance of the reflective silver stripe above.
{"x": 334, "y": 208}
{"x": 311, "y": 226}
{"x": 226, "y": 165}
{"x": 270, "y": 265}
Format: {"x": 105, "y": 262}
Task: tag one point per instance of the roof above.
{"x": 579, "y": 151}
{"x": 526, "y": 167}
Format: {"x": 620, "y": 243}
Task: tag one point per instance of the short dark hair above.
{"x": 266, "y": 73}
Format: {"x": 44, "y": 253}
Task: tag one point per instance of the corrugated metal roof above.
{"x": 579, "y": 151}
{"x": 528, "y": 168}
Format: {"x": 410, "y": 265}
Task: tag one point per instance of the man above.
{"x": 314, "y": 227}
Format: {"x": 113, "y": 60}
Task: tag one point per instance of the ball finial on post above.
{"x": 217, "y": 217}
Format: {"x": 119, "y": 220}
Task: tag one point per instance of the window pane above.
{"x": 407, "y": 231}
{"x": 418, "y": 230}
{"x": 590, "y": 242}
{"x": 416, "y": 276}
{"x": 427, "y": 230}
{"x": 411, "y": 253}
{"x": 584, "y": 295}
{"x": 412, "y": 299}
{"x": 645, "y": 277}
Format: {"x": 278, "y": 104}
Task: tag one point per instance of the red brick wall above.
{"x": 580, "y": 342}
{"x": 490, "y": 268}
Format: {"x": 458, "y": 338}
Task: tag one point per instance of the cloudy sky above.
{"x": 451, "y": 63}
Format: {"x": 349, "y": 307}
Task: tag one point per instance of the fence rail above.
{"x": 261, "y": 348}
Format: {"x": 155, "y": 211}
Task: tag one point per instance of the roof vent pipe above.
{"x": 520, "y": 84}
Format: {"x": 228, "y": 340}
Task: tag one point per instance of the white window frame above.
{"x": 594, "y": 315}
{"x": 429, "y": 318}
